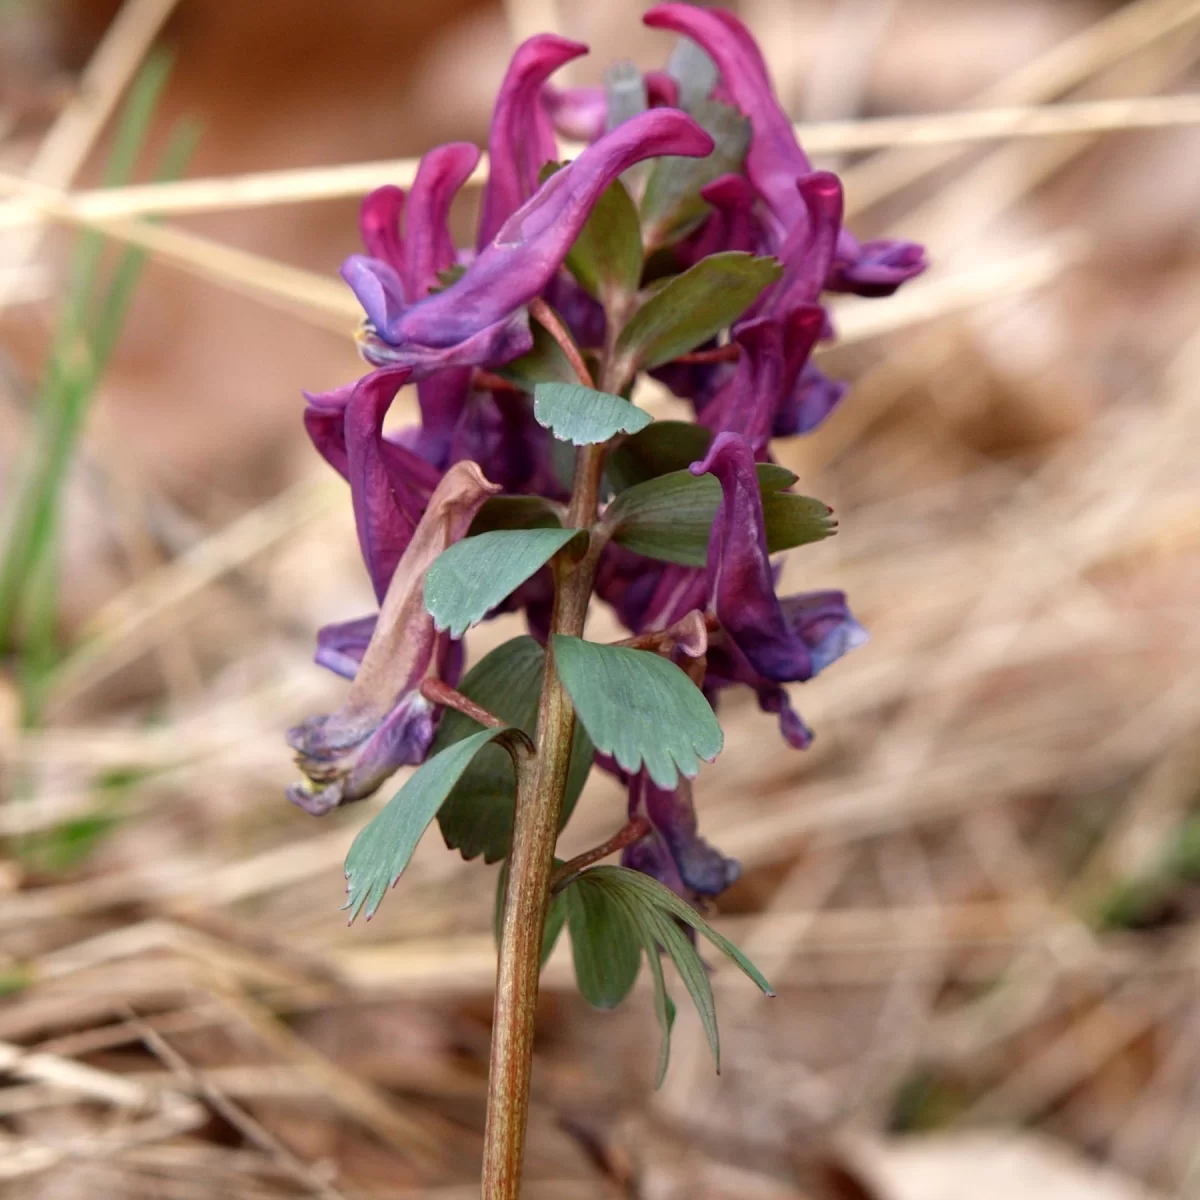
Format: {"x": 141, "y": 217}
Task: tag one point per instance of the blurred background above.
{"x": 978, "y": 894}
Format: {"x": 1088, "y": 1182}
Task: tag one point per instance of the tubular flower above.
{"x": 385, "y": 722}
{"x": 480, "y": 318}
{"x": 782, "y": 640}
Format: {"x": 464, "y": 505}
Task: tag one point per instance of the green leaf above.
{"x": 670, "y": 517}
{"x": 584, "y": 416}
{"x": 556, "y": 915}
{"x": 664, "y": 1006}
{"x": 639, "y": 707}
{"x": 477, "y": 818}
{"x": 605, "y": 943}
{"x": 515, "y": 512}
{"x": 544, "y": 363}
{"x": 655, "y": 894}
{"x": 792, "y": 520}
{"x": 694, "y": 307}
{"x": 662, "y": 447}
{"x": 467, "y": 580}
{"x": 383, "y": 848}
{"x": 606, "y": 258}
{"x": 672, "y": 205}
{"x": 651, "y": 911}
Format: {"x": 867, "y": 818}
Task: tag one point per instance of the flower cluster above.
{"x": 723, "y": 172}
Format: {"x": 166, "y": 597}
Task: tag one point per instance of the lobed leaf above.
{"x": 468, "y": 579}
{"x": 384, "y": 847}
{"x": 584, "y": 416}
{"x": 693, "y": 307}
{"x": 650, "y": 913}
{"x": 605, "y": 943}
{"x": 638, "y": 707}
{"x": 657, "y": 895}
{"x": 478, "y": 816}
{"x": 670, "y": 517}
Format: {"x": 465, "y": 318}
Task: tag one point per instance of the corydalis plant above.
{"x": 692, "y": 240}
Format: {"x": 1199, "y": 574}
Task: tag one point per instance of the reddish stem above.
{"x": 718, "y": 354}
{"x": 633, "y": 831}
{"x": 437, "y": 692}
{"x": 546, "y": 316}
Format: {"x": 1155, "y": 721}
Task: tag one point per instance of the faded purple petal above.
{"x": 385, "y": 723}
{"x": 341, "y": 646}
{"x": 823, "y": 621}
{"x": 375, "y": 752}
{"x": 521, "y": 140}
{"x": 874, "y": 268}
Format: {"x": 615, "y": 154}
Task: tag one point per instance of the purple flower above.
{"x": 774, "y": 353}
{"x": 874, "y": 268}
{"x": 775, "y": 161}
{"x": 783, "y": 641}
{"x": 521, "y": 140}
{"x": 480, "y": 318}
{"x": 581, "y": 113}
{"x": 389, "y": 484}
{"x": 385, "y": 722}
{"x": 674, "y": 853}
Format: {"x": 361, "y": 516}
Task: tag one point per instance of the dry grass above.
{"x": 189, "y": 1016}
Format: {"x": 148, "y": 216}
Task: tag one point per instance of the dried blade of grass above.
{"x": 121, "y": 629}
{"x": 303, "y": 293}
{"x": 252, "y": 1130}
{"x": 309, "y": 184}
{"x": 1068, "y": 64}
{"x": 65, "y": 148}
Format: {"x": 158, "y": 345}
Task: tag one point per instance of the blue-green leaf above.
{"x": 651, "y": 912}
{"x": 584, "y": 416}
{"x": 477, "y": 818}
{"x": 638, "y": 707}
{"x": 656, "y": 895}
{"x": 383, "y": 848}
{"x": 670, "y": 517}
{"x": 605, "y": 944}
{"x": 470, "y": 578}
{"x": 693, "y": 307}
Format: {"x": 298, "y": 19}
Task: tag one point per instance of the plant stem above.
{"x": 629, "y": 833}
{"x": 541, "y": 785}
